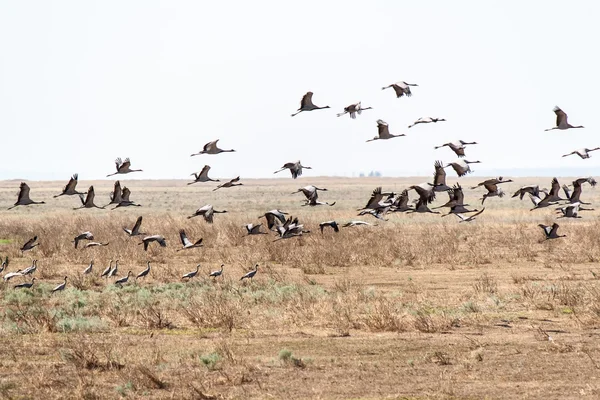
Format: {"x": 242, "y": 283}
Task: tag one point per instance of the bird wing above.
{"x": 136, "y": 227}
{"x": 204, "y": 171}
{"x": 184, "y": 240}
{"x": 125, "y": 194}
{"x": 71, "y": 184}
{"x": 561, "y": 116}
{"x": 306, "y": 100}
{"x": 89, "y": 199}
{"x": 376, "y": 197}
{"x": 126, "y": 164}
{"x": 439, "y": 176}
{"x": 491, "y": 187}
{"x": 553, "y": 229}
{"x": 23, "y": 192}
{"x": 118, "y": 163}
{"x": 210, "y": 145}
{"x": 383, "y": 129}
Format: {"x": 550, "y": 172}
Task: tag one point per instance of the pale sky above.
{"x": 84, "y": 82}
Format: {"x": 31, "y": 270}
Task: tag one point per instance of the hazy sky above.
{"x": 84, "y": 82}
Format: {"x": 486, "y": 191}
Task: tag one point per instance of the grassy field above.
{"x": 416, "y": 307}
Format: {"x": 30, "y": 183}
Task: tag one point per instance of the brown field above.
{"x": 416, "y": 307}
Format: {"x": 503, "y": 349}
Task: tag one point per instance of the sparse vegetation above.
{"x": 397, "y": 297}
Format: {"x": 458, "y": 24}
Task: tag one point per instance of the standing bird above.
{"x": 123, "y": 167}
{"x": 550, "y": 231}
{"x": 60, "y": 287}
{"x": 306, "y": 104}
{"x": 401, "y": 88}
{"x": 89, "y": 268}
{"x": 30, "y": 244}
{"x": 207, "y": 212}
{"x": 202, "y": 176}
{"x": 254, "y": 229}
{"x": 113, "y": 271}
{"x": 186, "y": 242}
{"x": 107, "y": 270}
{"x": 136, "y": 228}
{"x": 273, "y": 216}
{"x": 88, "y": 200}
{"x": 561, "y": 120}
{"x": 83, "y": 236}
{"x": 461, "y": 167}
{"x": 458, "y": 147}
{"x": 31, "y": 269}
{"x": 294, "y": 167}
{"x": 191, "y": 274}
{"x": 332, "y": 224}
{"x": 426, "y": 120}
{"x": 250, "y": 274}
{"x": 69, "y": 189}
{"x": 383, "y": 132}
{"x": 124, "y": 279}
{"x": 154, "y": 238}
{"x": 215, "y": 274}
{"x": 212, "y": 148}
{"x": 231, "y": 183}
{"x": 354, "y": 109}
{"x": 145, "y": 272}
{"x": 23, "y": 197}
{"x": 25, "y": 285}
{"x": 583, "y": 153}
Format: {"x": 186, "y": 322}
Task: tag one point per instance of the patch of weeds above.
{"x": 80, "y": 324}
{"x": 123, "y": 389}
{"x": 211, "y": 361}
{"x": 471, "y": 307}
{"x": 287, "y": 357}
{"x": 486, "y": 284}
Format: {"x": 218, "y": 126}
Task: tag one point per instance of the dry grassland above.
{"x": 416, "y": 307}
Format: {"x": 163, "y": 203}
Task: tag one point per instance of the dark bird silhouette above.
{"x": 306, "y": 104}
{"x": 123, "y": 167}
{"x": 401, "y": 88}
{"x": 561, "y": 120}
{"x": 212, "y": 148}
{"x": 551, "y": 231}
{"x": 294, "y": 167}
{"x": 383, "y": 132}
{"x": 23, "y": 198}
{"x": 69, "y": 189}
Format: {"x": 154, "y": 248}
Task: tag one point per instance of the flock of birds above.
{"x": 285, "y": 226}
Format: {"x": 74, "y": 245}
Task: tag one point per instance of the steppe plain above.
{"x": 416, "y": 307}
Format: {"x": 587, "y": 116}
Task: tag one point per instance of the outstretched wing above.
{"x": 184, "y": 240}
